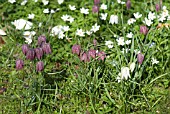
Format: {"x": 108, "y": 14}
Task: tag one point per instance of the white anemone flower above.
{"x": 60, "y": 1}
{"x": 103, "y": 16}
{"x": 109, "y": 44}
{"x": 95, "y": 28}
{"x": 12, "y": 1}
{"x": 31, "y": 16}
{"x": 120, "y": 41}
{"x": 80, "y": 32}
{"x": 131, "y": 21}
{"x": 151, "y": 16}
{"x": 129, "y": 35}
{"x": 84, "y": 11}
{"x": 148, "y": 22}
{"x": 137, "y": 15}
{"x": 72, "y": 7}
{"x": 154, "y": 61}
{"x": 103, "y": 6}
{"x": 22, "y": 24}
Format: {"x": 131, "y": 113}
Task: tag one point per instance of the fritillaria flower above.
{"x": 95, "y": 9}
{"x": 96, "y": 2}
{"x": 143, "y": 30}
{"x": 41, "y": 40}
{"x": 101, "y": 55}
{"x": 19, "y": 64}
{"x": 125, "y": 74}
{"x": 84, "y": 57}
{"x": 46, "y": 48}
{"x": 38, "y": 53}
{"x": 25, "y": 48}
{"x": 39, "y": 66}
{"x": 94, "y": 42}
{"x": 158, "y": 7}
{"x": 92, "y": 53}
{"x": 128, "y": 4}
{"x": 76, "y": 49}
{"x": 30, "y": 54}
{"x": 140, "y": 58}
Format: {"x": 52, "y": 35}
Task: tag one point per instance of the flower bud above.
{"x": 101, "y": 55}
{"x": 95, "y": 9}
{"x": 158, "y": 7}
{"x": 19, "y": 64}
{"x": 128, "y": 4}
{"x": 96, "y": 2}
{"x": 25, "y": 48}
{"x": 30, "y": 54}
{"x": 140, "y": 58}
{"x": 84, "y": 57}
{"x": 92, "y": 53}
{"x": 76, "y": 49}
{"x": 94, "y": 42}
{"x": 39, "y": 66}
{"x": 38, "y": 53}
{"x": 41, "y": 40}
{"x": 46, "y": 48}
{"x": 143, "y": 30}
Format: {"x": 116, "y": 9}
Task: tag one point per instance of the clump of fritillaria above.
{"x": 35, "y": 53}
{"x": 86, "y": 56}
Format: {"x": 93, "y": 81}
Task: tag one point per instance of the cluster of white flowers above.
{"x": 164, "y": 15}
{"x": 59, "y": 30}
{"x": 67, "y": 18}
{"x": 49, "y": 11}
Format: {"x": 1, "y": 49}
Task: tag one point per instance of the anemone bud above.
{"x": 19, "y": 64}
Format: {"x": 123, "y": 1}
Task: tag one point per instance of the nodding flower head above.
{"x": 25, "y": 48}
{"x": 91, "y": 53}
{"x": 84, "y": 57}
{"x": 143, "y": 29}
{"x": 128, "y": 4}
{"x": 158, "y": 7}
{"x": 95, "y": 9}
{"x": 76, "y": 49}
{"x": 96, "y": 2}
{"x": 19, "y": 64}
{"x": 101, "y": 55}
{"x": 140, "y": 58}
{"x": 39, "y": 66}
{"x": 38, "y": 53}
{"x": 30, "y": 54}
{"x": 41, "y": 40}
{"x": 46, "y": 48}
